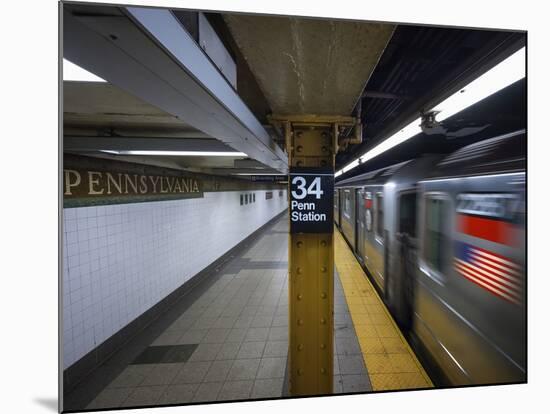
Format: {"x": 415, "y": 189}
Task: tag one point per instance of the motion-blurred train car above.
{"x": 444, "y": 242}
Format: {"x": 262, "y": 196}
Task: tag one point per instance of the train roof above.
{"x": 504, "y": 153}
{"x": 379, "y": 176}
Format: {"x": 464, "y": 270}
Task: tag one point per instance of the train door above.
{"x": 404, "y": 274}
{"x": 340, "y": 208}
{"x": 347, "y": 223}
{"x": 360, "y": 223}
{"x": 373, "y": 247}
{"x": 337, "y": 207}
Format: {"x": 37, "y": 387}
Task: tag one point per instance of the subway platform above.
{"x": 226, "y": 338}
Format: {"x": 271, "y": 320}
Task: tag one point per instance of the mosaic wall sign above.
{"x": 116, "y": 185}
{"x": 97, "y": 181}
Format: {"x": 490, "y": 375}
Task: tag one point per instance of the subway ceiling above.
{"x": 385, "y": 74}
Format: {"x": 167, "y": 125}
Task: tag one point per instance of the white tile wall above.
{"x": 120, "y": 260}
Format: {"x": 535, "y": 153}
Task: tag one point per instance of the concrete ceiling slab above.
{"x": 309, "y": 66}
{"x": 96, "y": 104}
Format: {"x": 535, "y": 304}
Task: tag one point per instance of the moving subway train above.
{"x": 443, "y": 240}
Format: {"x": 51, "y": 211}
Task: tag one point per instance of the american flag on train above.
{"x": 495, "y": 273}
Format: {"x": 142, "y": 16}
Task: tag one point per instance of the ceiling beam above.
{"x": 252, "y": 171}
{"x": 89, "y": 143}
{"x": 384, "y": 95}
{"x": 248, "y": 164}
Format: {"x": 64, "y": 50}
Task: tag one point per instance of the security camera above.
{"x": 429, "y": 125}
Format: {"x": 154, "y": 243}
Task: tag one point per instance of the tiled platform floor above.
{"x": 228, "y": 342}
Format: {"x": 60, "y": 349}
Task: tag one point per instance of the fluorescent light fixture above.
{"x": 351, "y": 165}
{"x": 180, "y": 153}
{"x": 502, "y": 75}
{"x": 72, "y": 72}
{"x": 408, "y": 132}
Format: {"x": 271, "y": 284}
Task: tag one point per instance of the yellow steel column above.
{"x": 311, "y": 142}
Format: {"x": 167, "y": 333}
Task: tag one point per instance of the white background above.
{"x": 29, "y": 229}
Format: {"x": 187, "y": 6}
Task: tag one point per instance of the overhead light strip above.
{"x": 508, "y": 71}
{"x": 403, "y": 135}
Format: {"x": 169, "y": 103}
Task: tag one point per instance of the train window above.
{"x": 435, "y": 234}
{"x": 347, "y": 204}
{"x": 407, "y": 214}
{"x": 246, "y": 198}
{"x": 379, "y": 216}
{"x": 242, "y": 199}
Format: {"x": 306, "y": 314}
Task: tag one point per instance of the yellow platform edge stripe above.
{"x": 384, "y": 372}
